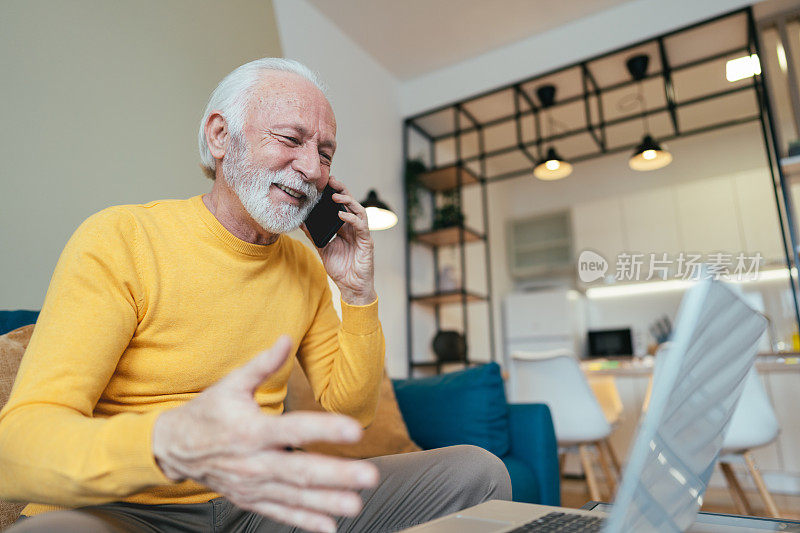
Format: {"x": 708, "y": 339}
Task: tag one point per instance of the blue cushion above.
{"x": 465, "y": 407}
{"x": 523, "y": 480}
{"x": 11, "y": 320}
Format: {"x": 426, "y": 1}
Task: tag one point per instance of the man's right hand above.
{"x": 222, "y": 440}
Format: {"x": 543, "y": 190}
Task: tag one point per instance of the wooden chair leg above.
{"x": 588, "y": 471}
{"x": 772, "y": 509}
{"x": 735, "y": 489}
{"x": 610, "y": 478}
{"x": 614, "y": 461}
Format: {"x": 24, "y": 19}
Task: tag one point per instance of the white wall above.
{"x": 369, "y": 139}
{"x": 100, "y": 106}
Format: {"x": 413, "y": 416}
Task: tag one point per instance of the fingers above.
{"x": 298, "y": 428}
{"x": 248, "y": 377}
{"x": 308, "y": 520}
{"x": 298, "y": 488}
{"x": 327, "y": 501}
{"x": 357, "y": 216}
{"x": 321, "y": 471}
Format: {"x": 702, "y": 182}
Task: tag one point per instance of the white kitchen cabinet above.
{"x": 729, "y": 214}
{"x": 759, "y": 215}
{"x": 650, "y": 221}
{"x": 597, "y": 225}
{"x": 707, "y": 216}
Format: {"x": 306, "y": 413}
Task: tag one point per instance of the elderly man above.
{"x": 139, "y": 405}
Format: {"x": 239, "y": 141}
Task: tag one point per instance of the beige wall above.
{"x": 99, "y": 104}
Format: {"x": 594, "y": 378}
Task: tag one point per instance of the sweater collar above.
{"x": 244, "y": 247}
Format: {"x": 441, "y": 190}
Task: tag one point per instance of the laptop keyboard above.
{"x": 562, "y": 522}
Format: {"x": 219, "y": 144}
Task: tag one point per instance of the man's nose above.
{"x": 307, "y": 162}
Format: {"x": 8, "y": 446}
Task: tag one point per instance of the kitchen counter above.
{"x": 643, "y": 366}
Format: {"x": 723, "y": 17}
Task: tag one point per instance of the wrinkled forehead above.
{"x": 287, "y": 97}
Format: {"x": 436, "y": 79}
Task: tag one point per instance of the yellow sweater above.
{"x": 148, "y": 306}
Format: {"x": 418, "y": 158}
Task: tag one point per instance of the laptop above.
{"x": 697, "y": 382}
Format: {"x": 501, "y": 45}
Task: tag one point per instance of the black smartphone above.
{"x": 323, "y": 221}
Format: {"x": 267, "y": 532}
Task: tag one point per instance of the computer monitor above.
{"x": 610, "y": 343}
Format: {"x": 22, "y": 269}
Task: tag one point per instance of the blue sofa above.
{"x": 11, "y": 320}
{"x": 464, "y": 407}
{"x": 470, "y": 407}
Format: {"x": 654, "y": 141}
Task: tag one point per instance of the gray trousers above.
{"x": 414, "y": 488}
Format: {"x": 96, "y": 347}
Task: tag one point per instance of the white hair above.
{"x": 232, "y": 98}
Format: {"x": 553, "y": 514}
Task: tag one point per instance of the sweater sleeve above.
{"x": 52, "y": 449}
{"x": 344, "y": 361}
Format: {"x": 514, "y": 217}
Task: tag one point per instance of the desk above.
{"x": 780, "y": 374}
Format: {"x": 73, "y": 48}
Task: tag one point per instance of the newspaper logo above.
{"x": 591, "y": 266}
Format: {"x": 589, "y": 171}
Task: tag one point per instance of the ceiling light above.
{"x": 742, "y": 67}
{"x": 379, "y": 216}
{"x": 553, "y": 167}
{"x": 782, "y": 58}
{"x": 649, "y": 156}
{"x": 634, "y": 289}
{"x": 650, "y": 287}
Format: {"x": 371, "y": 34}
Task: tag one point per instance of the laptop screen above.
{"x": 696, "y": 383}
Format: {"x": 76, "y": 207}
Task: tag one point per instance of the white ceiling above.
{"x": 413, "y": 37}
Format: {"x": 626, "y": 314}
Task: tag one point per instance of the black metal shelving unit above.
{"x": 457, "y": 136}
{"x": 452, "y": 180}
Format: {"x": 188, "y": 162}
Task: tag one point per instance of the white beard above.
{"x": 252, "y": 185}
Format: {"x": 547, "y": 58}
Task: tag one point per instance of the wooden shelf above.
{"x": 425, "y": 364}
{"x": 448, "y": 236}
{"x": 444, "y": 298}
{"x": 446, "y": 178}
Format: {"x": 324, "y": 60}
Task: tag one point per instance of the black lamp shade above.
{"x": 637, "y": 66}
{"x": 649, "y": 155}
{"x": 546, "y": 95}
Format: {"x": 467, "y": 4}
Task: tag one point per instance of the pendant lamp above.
{"x": 379, "y": 215}
{"x": 553, "y": 166}
{"x": 649, "y": 155}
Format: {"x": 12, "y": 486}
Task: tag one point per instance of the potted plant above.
{"x": 414, "y": 169}
{"x": 449, "y": 213}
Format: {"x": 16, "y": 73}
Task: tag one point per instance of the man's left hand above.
{"x": 349, "y": 258}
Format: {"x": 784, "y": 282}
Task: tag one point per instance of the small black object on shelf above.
{"x": 449, "y": 346}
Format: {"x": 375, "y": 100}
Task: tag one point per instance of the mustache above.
{"x": 294, "y": 180}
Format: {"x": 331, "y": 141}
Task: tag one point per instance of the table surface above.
{"x": 643, "y": 366}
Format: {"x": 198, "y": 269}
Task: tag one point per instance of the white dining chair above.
{"x": 607, "y": 394}
{"x": 752, "y": 425}
{"x": 555, "y": 378}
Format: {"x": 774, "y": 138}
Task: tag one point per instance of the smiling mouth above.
{"x": 291, "y": 192}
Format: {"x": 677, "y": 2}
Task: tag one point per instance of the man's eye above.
{"x": 325, "y": 157}
{"x": 291, "y": 139}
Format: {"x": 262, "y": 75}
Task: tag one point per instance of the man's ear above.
{"x": 216, "y": 134}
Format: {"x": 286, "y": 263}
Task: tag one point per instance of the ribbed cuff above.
{"x": 360, "y": 319}
{"x": 135, "y": 450}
